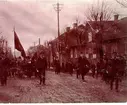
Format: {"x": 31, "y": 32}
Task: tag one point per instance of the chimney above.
{"x": 67, "y": 29}
{"x": 116, "y": 17}
{"x": 75, "y": 25}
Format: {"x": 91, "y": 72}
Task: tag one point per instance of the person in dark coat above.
{"x": 28, "y": 67}
{"x": 1, "y": 70}
{"x": 4, "y": 70}
{"x": 122, "y": 66}
{"x": 12, "y": 71}
{"x": 93, "y": 67}
{"x": 33, "y": 62}
{"x": 100, "y": 67}
{"x": 57, "y": 66}
{"x": 70, "y": 67}
{"x": 41, "y": 65}
{"x": 114, "y": 73}
{"x": 4, "y": 77}
{"x": 77, "y": 70}
{"x": 108, "y": 67}
{"x": 63, "y": 67}
{"x": 83, "y": 65}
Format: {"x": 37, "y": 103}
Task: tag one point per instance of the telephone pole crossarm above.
{"x": 58, "y": 8}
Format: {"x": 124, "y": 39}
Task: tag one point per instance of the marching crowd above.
{"x": 108, "y": 69}
{"x": 111, "y": 70}
{"x": 17, "y": 67}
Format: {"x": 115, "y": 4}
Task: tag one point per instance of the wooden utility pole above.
{"x": 6, "y": 48}
{"x": 14, "y": 44}
{"x": 34, "y": 44}
{"x": 58, "y": 8}
{"x": 39, "y": 42}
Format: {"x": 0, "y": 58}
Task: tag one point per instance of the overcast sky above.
{"x": 35, "y": 19}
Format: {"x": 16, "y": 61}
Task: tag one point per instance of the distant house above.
{"x": 71, "y": 43}
{"x": 113, "y": 37}
{"x": 88, "y": 38}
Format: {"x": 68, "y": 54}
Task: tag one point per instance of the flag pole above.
{"x": 18, "y": 46}
{"x": 6, "y": 49}
{"x": 14, "y": 53}
{"x": 14, "y": 44}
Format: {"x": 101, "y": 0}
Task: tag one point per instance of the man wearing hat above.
{"x": 83, "y": 65}
{"x": 41, "y": 66}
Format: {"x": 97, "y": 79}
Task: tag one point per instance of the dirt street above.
{"x": 61, "y": 88}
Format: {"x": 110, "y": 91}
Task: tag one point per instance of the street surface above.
{"x": 60, "y": 88}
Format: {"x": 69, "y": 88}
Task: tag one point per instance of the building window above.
{"x": 104, "y": 48}
{"x": 71, "y": 54}
{"x": 89, "y": 37}
{"x": 94, "y": 56}
{"x": 87, "y": 55}
{"x": 76, "y": 55}
{"x": 90, "y": 50}
{"x": 114, "y": 47}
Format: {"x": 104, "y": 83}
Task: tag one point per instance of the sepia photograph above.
{"x": 63, "y": 51}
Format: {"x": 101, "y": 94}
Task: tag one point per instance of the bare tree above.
{"x": 99, "y": 11}
{"x": 122, "y": 2}
{"x": 4, "y": 47}
{"x": 31, "y": 50}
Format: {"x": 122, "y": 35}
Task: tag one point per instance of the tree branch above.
{"x": 122, "y": 2}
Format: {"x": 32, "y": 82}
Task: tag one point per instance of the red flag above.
{"x": 18, "y": 45}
